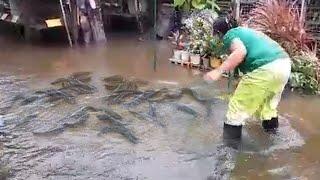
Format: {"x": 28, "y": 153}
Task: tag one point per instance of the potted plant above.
{"x": 206, "y": 62}
{"x": 216, "y": 51}
{"x": 185, "y": 56}
{"x": 177, "y": 40}
{"x": 215, "y": 61}
{"x": 195, "y": 59}
{"x": 194, "y": 50}
{"x": 200, "y": 32}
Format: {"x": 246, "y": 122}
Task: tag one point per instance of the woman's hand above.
{"x": 238, "y": 54}
{"x": 213, "y": 75}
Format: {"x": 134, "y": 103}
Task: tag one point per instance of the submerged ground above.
{"x": 62, "y": 118}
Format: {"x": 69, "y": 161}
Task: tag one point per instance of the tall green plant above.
{"x": 188, "y": 5}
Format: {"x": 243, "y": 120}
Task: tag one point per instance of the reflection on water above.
{"x": 187, "y": 146}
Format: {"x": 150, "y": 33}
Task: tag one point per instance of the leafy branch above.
{"x": 188, "y": 5}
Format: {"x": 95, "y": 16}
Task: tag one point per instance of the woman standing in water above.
{"x": 266, "y": 67}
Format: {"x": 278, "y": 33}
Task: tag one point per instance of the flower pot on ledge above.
{"x": 215, "y": 62}
{"x": 195, "y": 59}
{"x": 177, "y": 54}
{"x": 185, "y": 56}
{"x": 206, "y": 63}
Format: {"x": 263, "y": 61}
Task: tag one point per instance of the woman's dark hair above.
{"x": 223, "y": 24}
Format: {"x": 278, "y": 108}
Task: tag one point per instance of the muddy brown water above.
{"x": 187, "y": 147}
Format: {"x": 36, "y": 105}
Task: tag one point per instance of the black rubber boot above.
{"x": 270, "y": 125}
{"x": 232, "y": 135}
{"x": 231, "y": 132}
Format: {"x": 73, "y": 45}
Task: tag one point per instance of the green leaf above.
{"x": 213, "y": 5}
{"x": 186, "y": 6}
{"x": 178, "y": 3}
{"x": 216, "y": 6}
{"x": 198, "y": 4}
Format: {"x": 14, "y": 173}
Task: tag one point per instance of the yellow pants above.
{"x": 259, "y": 92}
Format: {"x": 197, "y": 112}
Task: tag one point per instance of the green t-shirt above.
{"x": 261, "y": 49}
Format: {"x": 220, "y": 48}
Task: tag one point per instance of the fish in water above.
{"x": 117, "y": 83}
{"x": 114, "y": 79}
{"x": 76, "y": 83}
{"x": 186, "y": 109}
{"x": 110, "y": 116}
{"x": 53, "y": 95}
{"x": 75, "y": 119}
{"x": 138, "y": 99}
{"x": 119, "y": 97}
{"x": 80, "y": 76}
{"x": 150, "y": 116}
{"x": 124, "y": 131}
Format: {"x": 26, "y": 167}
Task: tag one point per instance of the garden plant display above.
{"x": 199, "y": 27}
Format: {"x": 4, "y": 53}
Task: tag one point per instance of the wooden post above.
{"x": 66, "y": 23}
{"x": 74, "y": 21}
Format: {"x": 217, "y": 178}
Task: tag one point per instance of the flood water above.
{"x": 178, "y": 145}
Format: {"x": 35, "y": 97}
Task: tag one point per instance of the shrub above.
{"x": 305, "y": 74}
{"x": 280, "y": 19}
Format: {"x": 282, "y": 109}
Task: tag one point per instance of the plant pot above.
{"x": 185, "y": 56}
{"x": 206, "y": 62}
{"x": 195, "y": 59}
{"x": 177, "y": 54}
{"x": 215, "y": 62}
